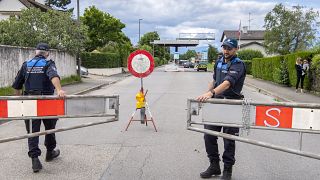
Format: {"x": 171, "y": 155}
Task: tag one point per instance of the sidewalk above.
{"x": 92, "y": 82}
{"x": 280, "y": 92}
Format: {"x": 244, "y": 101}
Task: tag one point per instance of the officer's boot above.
{"x": 227, "y": 173}
{"x": 213, "y": 169}
{"x": 52, "y": 154}
{"x": 36, "y": 165}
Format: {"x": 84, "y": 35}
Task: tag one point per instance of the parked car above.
{"x": 188, "y": 65}
{"x": 181, "y": 62}
{"x": 201, "y": 66}
{"x": 83, "y": 71}
{"x": 171, "y": 68}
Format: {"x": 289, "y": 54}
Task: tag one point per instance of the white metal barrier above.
{"x": 50, "y": 107}
{"x": 278, "y": 116}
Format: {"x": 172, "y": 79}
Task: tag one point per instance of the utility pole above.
{"x": 78, "y": 51}
{"x": 249, "y": 20}
{"x": 139, "y": 29}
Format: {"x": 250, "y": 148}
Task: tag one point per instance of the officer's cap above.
{"x": 230, "y": 42}
{"x": 43, "y": 46}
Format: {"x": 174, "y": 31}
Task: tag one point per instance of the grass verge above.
{"x": 9, "y": 91}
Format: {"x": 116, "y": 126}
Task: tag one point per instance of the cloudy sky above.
{"x": 171, "y": 17}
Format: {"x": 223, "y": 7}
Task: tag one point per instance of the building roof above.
{"x": 35, "y": 4}
{"x": 250, "y": 35}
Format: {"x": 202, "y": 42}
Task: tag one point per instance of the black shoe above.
{"x": 213, "y": 169}
{"x": 227, "y": 173}
{"x": 52, "y": 154}
{"x": 36, "y": 165}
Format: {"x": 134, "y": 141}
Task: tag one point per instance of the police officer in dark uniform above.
{"x": 39, "y": 77}
{"x": 228, "y": 79}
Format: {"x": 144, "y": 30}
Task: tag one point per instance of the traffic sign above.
{"x": 140, "y": 63}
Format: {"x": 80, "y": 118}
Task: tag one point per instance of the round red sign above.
{"x": 140, "y": 63}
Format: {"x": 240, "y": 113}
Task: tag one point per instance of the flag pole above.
{"x": 239, "y": 34}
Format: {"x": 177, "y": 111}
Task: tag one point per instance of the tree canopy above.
{"x": 58, "y": 3}
{"x": 289, "y": 29}
{"x": 188, "y": 55}
{"x": 159, "y": 51}
{"x": 212, "y": 53}
{"x": 56, "y": 28}
{"x": 102, "y": 28}
{"x": 249, "y": 54}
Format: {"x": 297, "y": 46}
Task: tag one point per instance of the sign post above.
{"x": 140, "y": 65}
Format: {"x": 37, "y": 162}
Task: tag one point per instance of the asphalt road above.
{"x": 108, "y": 152}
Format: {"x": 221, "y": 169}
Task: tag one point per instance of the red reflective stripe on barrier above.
{"x": 274, "y": 116}
{"x": 50, "y": 107}
{"x": 3, "y": 109}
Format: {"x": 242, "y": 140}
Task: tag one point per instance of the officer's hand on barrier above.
{"x": 205, "y": 96}
{"x": 61, "y": 93}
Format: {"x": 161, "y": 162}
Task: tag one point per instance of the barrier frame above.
{"x": 190, "y": 124}
{"x": 110, "y": 117}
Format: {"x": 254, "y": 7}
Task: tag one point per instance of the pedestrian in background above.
{"x": 305, "y": 70}
{"x": 39, "y": 77}
{"x": 298, "y": 67}
{"x": 228, "y": 79}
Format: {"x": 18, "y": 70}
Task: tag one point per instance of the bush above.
{"x": 315, "y": 73}
{"x": 249, "y": 54}
{"x": 263, "y": 67}
{"x": 248, "y": 64}
{"x": 280, "y": 74}
{"x": 100, "y": 60}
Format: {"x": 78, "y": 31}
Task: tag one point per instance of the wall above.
{"x": 9, "y": 7}
{"x": 11, "y": 59}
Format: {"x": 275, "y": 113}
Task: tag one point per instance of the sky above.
{"x": 171, "y": 17}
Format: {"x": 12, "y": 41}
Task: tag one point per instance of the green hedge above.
{"x": 315, "y": 73}
{"x": 248, "y": 64}
{"x": 291, "y": 61}
{"x": 263, "y": 68}
{"x": 281, "y": 69}
{"x": 100, "y": 60}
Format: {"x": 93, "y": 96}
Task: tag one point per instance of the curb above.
{"x": 99, "y": 86}
{"x": 260, "y": 90}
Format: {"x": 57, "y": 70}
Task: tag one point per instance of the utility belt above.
{"x": 38, "y": 92}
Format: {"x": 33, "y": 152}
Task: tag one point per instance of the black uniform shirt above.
{"x": 234, "y": 72}
{"x": 36, "y": 75}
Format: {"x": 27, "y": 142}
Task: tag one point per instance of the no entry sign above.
{"x": 140, "y": 63}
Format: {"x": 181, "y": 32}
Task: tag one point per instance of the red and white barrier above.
{"x": 21, "y": 108}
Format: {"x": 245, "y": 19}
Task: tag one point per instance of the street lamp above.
{"x": 139, "y": 29}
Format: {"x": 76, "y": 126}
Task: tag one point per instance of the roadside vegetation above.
{"x": 9, "y": 91}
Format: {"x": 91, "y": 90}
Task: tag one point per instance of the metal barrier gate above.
{"x": 278, "y": 116}
{"x": 49, "y": 107}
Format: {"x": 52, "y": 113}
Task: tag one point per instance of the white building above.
{"x": 13, "y": 7}
{"x": 249, "y": 39}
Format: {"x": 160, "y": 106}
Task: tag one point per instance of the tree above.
{"x": 190, "y": 54}
{"x": 249, "y": 54}
{"x": 149, "y": 37}
{"x": 56, "y": 28}
{"x": 289, "y": 30}
{"x": 102, "y": 28}
{"x": 159, "y": 51}
{"x": 212, "y": 54}
{"x": 58, "y": 3}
